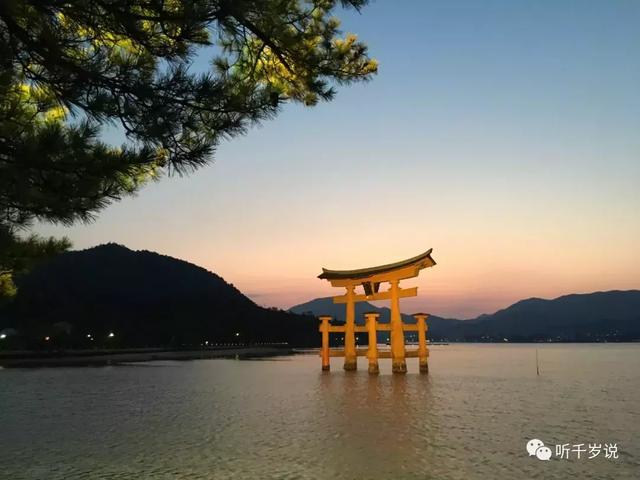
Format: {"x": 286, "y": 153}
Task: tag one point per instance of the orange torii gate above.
{"x": 370, "y": 279}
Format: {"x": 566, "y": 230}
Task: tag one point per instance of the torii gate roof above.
{"x": 418, "y": 262}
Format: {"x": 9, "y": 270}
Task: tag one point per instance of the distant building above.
{"x": 65, "y": 327}
{"x": 8, "y": 332}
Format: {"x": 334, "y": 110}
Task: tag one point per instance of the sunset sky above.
{"x": 504, "y": 134}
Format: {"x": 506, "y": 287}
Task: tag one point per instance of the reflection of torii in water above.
{"x": 370, "y": 279}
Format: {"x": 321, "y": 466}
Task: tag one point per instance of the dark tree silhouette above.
{"x": 19, "y": 255}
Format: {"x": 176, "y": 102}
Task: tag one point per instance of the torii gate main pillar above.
{"x": 398, "y": 363}
{"x": 350, "y": 355}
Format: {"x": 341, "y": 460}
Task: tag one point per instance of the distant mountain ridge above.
{"x": 598, "y": 316}
{"x": 325, "y": 306}
{"x": 145, "y": 299}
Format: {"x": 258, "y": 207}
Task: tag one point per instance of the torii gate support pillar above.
{"x": 324, "y": 351}
{"x": 371, "y": 320}
{"x": 423, "y": 350}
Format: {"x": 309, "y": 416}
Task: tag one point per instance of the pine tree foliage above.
{"x": 69, "y": 69}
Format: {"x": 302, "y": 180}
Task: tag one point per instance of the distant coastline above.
{"x": 86, "y": 358}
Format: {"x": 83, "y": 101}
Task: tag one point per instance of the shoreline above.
{"x": 88, "y": 358}
{"x": 97, "y": 358}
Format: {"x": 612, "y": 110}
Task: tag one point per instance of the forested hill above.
{"x": 144, "y": 299}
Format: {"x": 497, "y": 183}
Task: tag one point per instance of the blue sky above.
{"x": 504, "y": 134}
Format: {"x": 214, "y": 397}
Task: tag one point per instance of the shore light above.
{"x": 3, "y": 336}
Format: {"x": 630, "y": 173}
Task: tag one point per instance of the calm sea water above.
{"x": 284, "y": 419}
